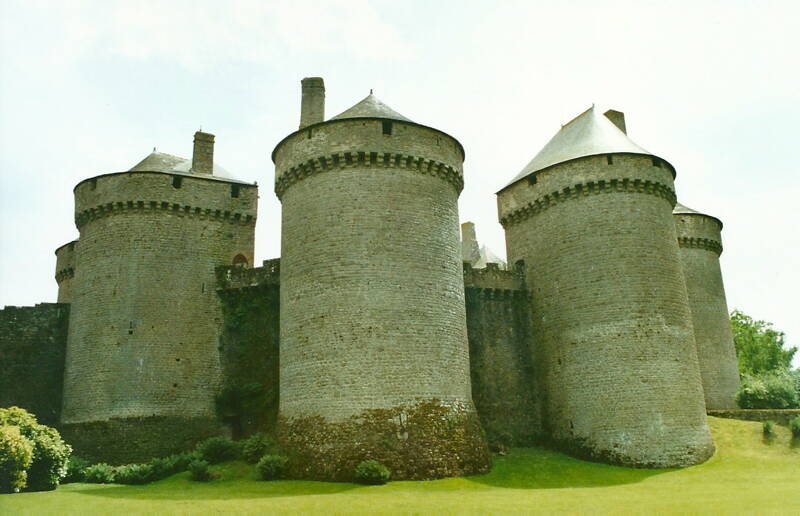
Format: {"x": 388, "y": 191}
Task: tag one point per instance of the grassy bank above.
{"x": 747, "y": 475}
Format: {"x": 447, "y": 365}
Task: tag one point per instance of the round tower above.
{"x": 700, "y": 242}
{"x": 142, "y": 363}
{"x": 590, "y": 216}
{"x": 65, "y": 271}
{"x": 374, "y": 357}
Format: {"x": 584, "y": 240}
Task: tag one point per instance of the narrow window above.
{"x": 234, "y": 190}
{"x": 610, "y": 159}
{"x": 656, "y": 162}
{"x": 309, "y": 134}
{"x": 532, "y": 179}
{"x": 130, "y": 328}
{"x": 176, "y": 181}
{"x": 240, "y": 259}
{"x": 387, "y": 127}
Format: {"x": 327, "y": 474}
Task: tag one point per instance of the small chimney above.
{"x": 312, "y": 105}
{"x": 470, "y": 251}
{"x": 617, "y": 118}
{"x": 203, "y": 155}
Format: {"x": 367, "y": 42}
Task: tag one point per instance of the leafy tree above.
{"x": 759, "y": 347}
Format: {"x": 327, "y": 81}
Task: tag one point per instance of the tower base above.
{"x": 421, "y": 441}
{"x": 138, "y": 439}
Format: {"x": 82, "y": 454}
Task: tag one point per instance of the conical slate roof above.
{"x": 163, "y": 162}
{"x": 371, "y": 107}
{"x": 680, "y": 209}
{"x": 588, "y": 134}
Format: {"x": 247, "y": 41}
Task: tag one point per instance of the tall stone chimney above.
{"x": 618, "y": 118}
{"x": 470, "y": 251}
{"x": 312, "y": 106}
{"x": 203, "y": 154}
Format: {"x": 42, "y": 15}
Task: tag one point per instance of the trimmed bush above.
{"x": 255, "y": 447}
{"x": 271, "y": 467}
{"x": 768, "y": 428}
{"x": 775, "y": 391}
{"x": 75, "y": 470}
{"x": 134, "y": 474}
{"x": 16, "y": 455}
{"x": 50, "y": 452}
{"x": 198, "y": 471}
{"x": 372, "y": 472}
{"x": 217, "y": 449}
{"x": 794, "y": 426}
{"x": 100, "y": 473}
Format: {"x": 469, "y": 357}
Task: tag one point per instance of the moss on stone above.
{"x": 416, "y": 442}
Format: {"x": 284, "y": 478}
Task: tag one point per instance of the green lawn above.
{"x": 747, "y": 475}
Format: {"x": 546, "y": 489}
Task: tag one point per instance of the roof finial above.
{"x": 370, "y": 91}
{"x": 154, "y": 149}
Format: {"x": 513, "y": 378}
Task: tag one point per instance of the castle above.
{"x": 607, "y": 334}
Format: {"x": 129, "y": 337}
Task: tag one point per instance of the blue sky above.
{"x": 89, "y": 87}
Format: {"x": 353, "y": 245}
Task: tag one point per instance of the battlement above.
{"x": 492, "y": 278}
{"x": 237, "y": 277}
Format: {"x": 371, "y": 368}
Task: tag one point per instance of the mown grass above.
{"x": 748, "y": 474}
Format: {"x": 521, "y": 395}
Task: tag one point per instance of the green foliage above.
{"x": 217, "y": 449}
{"x": 134, "y": 474}
{"x": 759, "y": 347}
{"x": 372, "y": 472}
{"x": 75, "y": 470}
{"x": 772, "y": 391}
{"x": 50, "y": 452}
{"x": 255, "y": 447}
{"x": 16, "y": 455}
{"x": 768, "y": 428}
{"x": 794, "y": 426}
{"x": 271, "y": 467}
{"x": 198, "y": 471}
{"x": 166, "y": 466}
{"x": 100, "y": 473}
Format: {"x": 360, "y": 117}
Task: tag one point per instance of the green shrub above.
{"x": 372, "y": 472}
{"x": 773, "y": 391}
{"x": 75, "y": 470}
{"x": 134, "y": 474}
{"x": 271, "y": 467}
{"x": 794, "y": 426}
{"x": 199, "y": 472}
{"x": 16, "y": 455}
{"x": 768, "y": 428}
{"x": 255, "y": 447}
{"x": 100, "y": 473}
{"x": 50, "y": 452}
{"x": 217, "y": 449}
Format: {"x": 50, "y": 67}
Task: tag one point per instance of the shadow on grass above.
{"x": 541, "y": 468}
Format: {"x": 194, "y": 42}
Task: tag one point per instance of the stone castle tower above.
{"x": 591, "y": 217}
{"x": 700, "y": 241}
{"x": 372, "y": 292}
{"x": 145, "y": 317}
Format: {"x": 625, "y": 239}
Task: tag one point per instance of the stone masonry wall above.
{"x": 612, "y": 325}
{"x": 501, "y": 355}
{"x": 33, "y": 340}
{"x": 700, "y": 246}
{"x": 249, "y": 344}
